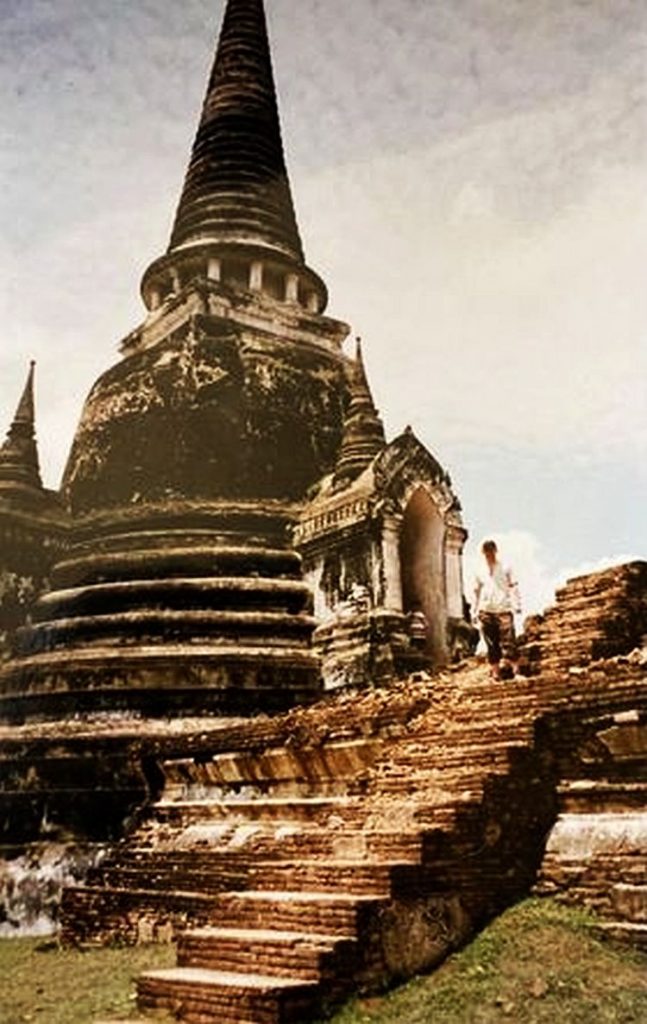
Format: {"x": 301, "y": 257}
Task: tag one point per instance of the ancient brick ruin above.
{"x": 212, "y": 717}
{"x": 347, "y": 846}
{"x": 594, "y": 617}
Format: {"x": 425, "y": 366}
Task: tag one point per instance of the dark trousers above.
{"x": 499, "y": 636}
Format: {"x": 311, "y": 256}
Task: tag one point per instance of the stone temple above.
{"x": 192, "y": 747}
{"x": 233, "y": 530}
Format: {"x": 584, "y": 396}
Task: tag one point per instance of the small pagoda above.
{"x": 33, "y": 523}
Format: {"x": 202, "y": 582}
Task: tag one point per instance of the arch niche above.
{"x": 422, "y": 566}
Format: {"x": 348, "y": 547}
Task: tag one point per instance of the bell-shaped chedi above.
{"x": 181, "y": 590}
{"x": 233, "y": 387}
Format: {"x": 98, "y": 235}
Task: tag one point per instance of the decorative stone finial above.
{"x": 363, "y": 437}
{"x": 19, "y": 454}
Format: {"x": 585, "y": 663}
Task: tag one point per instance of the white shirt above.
{"x": 496, "y": 590}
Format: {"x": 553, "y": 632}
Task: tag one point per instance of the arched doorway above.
{"x": 422, "y": 564}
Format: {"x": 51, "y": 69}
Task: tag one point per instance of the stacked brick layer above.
{"x": 347, "y": 845}
{"x": 595, "y": 616}
{"x": 596, "y": 855}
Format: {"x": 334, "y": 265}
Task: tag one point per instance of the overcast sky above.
{"x": 470, "y": 178}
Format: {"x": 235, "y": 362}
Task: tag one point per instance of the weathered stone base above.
{"x": 596, "y": 854}
{"x": 31, "y": 882}
{"x": 366, "y": 647}
{"x": 158, "y": 682}
{"x": 346, "y": 846}
{"x": 198, "y": 608}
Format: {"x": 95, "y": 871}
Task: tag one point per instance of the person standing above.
{"x": 496, "y": 602}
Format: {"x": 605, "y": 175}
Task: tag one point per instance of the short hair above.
{"x": 489, "y": 547}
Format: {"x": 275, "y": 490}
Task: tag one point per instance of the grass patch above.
{"x": 536, "y": 964}
{"x": 44, "y": 984}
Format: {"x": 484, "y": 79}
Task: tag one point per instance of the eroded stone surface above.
{"x": 31, "y": 884}
{"x": 415, "y": 812}
{"x": 595, "y": 616}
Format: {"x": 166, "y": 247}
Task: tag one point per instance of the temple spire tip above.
{"x": 236, "y": 204}
{"x": 19, "y": 463}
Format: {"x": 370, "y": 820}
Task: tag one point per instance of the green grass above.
{"x": 538, "y": 963}
{"x": 43, "y": 984}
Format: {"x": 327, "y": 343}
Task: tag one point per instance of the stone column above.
{"x": 155, "y": 299}
{"x": 214, "y": 269}
{"x": 176, "y": 284}
{"x": 391, "y": 563}
{"x": 454, "y": 543}
{"x": 291, "y": 287}
{"x": 313, "y": 302}
{"x": 256, "y": 276}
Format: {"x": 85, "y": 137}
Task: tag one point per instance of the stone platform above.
{"x": 167, "y": 610}
{"x": 350, "y": 845}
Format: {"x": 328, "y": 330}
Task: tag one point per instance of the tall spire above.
{"x": 236, "y": 188}
{"x": 18, "y": 454}
{"x": 236, "y": 203}
{"x": 363, "y": 437}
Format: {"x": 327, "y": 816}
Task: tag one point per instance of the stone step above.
{"x": 473, "y": 743}
{"x": 624, "y": 931}
{"x": 313, "y": 912}
{"x": 457, "y": 757}
{"x": 203, "y": 563}
{"x": 282, "y": 841}
{"x": 285, "y": 810}
{"x": 147, "y": 877}
{"x": 630, "y": 902}
{"x": 153, "y": 872}
{"x": 222, "y": 628}
{"x": 98, "y": 916}
{"x": 146, "y": 676}
{"x": 302, "y": 955}
{"x": 323, "y": 876}
{"x": 336, "y": 762}
{"x": 199, "y": 996}
{"x": 174, "y": 859}
{"x": 591, "y": 796}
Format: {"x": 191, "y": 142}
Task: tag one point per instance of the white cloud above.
{"x": 493, "y": 264}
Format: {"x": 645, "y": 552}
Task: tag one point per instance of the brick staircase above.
{"x": 597, "y": 852}
{"x": 348, "y": 845}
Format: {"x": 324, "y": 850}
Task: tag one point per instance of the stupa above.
{"x": 33, "y": 522}
{"x": 230, "y": 475}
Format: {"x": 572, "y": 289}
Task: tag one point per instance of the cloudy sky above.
{"x": 470, "y": 179}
